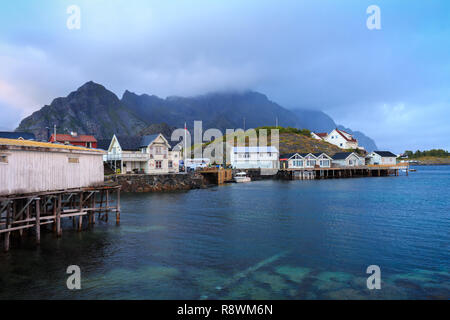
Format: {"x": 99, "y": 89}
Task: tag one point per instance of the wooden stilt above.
{"x": 8, "y": 226}
{"x": 118, "y": 207}
{"x": 80, "y": 218}
{"x": 58, "y": 217}
{"x": 107, "y": 205}
{"x": 38, "y": 222}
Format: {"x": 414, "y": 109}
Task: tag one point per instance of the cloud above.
{"x": 300, "y": 53}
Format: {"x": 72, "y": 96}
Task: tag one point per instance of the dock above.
{"x": 342, "y": 172}
{"x": 26, "y": 214}
{"x": 216, "y": 176}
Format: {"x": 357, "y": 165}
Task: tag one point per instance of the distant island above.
{"x": 429, "y": 157}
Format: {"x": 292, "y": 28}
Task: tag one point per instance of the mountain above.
{"x": 92, "y": 109}
{"x": 217, "y": 110}
{"x": 314, "y": 120}
{"x": 363, "y": 140}
{"x": 156, "y": 128}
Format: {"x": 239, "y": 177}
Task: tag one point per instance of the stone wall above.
{"x": 158, "y": 182}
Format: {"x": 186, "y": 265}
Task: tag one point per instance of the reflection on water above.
{"x": 263, "y": 240}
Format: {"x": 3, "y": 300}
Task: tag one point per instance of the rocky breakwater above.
{"x": 158, "y": 182}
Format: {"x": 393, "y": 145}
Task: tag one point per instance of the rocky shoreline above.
{"x": 158, "y": 183}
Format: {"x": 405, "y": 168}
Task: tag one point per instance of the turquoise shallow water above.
{"x": 263, "y": 240}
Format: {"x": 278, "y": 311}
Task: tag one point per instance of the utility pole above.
{"x": 185, "y": 147}
{"x": 276, "y": 122}
{"x": 54, "y": 133}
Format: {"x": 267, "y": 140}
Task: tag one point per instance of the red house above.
{"x": 75, "y": 139}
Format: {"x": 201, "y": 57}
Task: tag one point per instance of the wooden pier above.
{"x": 342, "y": 172}
{"x": 27, "y": 213}
{"x": 216, "y": 175}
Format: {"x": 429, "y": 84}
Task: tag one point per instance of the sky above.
{"x": 392, "y": 83}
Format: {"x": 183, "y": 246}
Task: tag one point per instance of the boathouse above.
{"x": 381, "y": 157}
{"x": 30, "y": 166}
{"x": 41, "y": 183}
{"x": 305, "y": 160}
{"x": 347, "y": 159}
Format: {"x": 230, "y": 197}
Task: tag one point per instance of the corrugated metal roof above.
{"x": 74, "y": 138}
{"x": 37, "y": 144}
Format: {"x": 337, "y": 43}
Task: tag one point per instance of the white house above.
{"x": 381, "y": 157}
{"x": 148, "y": 154}
{"x": 254, "y": 157}
{"x": 323, "y": 160}
{"x": 347, "y": 159}
{"x": 305, "y": 160}
{"x": 342, "y": 139}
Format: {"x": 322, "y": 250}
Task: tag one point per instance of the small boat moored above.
{"x": 241, "y": 177}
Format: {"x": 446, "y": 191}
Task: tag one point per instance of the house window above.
{"x": 311, "y": 163}
{"x": 298, "y": 163}
{"x": 324, "y": 163}
{"x": 74, "y": 160}
{"x": 3, "y": 159}
{"x": 170, "y": 164}
{"x": 247, "y": 155}
{"x": 158, "y": 164}
{"x": 340, "y": 144}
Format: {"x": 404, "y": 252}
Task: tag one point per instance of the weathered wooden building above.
{"x": 41, "y": 183}
{"x": 31, "y": 166}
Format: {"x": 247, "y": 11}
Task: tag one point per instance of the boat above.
{"x": 241, "y": 177}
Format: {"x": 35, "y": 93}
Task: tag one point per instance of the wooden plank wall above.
{"x": 38, "y": 171}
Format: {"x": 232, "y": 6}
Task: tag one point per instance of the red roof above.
{"x": 321, "y": 134}
{"x": 341, "y": 132}
{"x": 71, "y": 138}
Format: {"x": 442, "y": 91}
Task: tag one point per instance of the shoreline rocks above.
{"x": 158, "y": 182}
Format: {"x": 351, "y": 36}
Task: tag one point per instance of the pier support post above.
{"x": 107, "y": 205}
{"x": 93, "y": 208}
{"x": 8, "y": 226}
{"x": 58, "y": 217}
{"x": 38, "y": 221}
{"x": 118, "y": 207}
{"x": 80, "y": 217}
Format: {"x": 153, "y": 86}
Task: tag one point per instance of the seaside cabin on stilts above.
{"x": 42, "y": 183}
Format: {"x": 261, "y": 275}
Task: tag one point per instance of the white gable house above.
{"x": 254, "y": 157}
{"x": 381, "y": 157}
{"x": 347, "y": 159}
{"x": 342, "y": 139}
{"x": 305, "y": 160}
{"x": 147, "y": 154}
